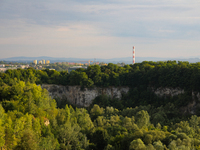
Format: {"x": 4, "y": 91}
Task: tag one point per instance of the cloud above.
{"x": 87, "y": 28}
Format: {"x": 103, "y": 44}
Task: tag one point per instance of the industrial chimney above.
{"x": 133, "y": 54}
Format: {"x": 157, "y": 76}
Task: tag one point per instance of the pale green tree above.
{"x": 158, "y": 145}
{"x": 142, "y": 118}
{"x": 137, "y": 145}
{"x": 2, "y": 135}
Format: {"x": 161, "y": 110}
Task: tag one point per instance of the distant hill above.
{"x": 126, "y": 60}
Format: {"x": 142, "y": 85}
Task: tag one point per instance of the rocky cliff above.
{"x": 82, "y": 97}
{"x": 168, "y": 91}
{"x": 194, "y": 101}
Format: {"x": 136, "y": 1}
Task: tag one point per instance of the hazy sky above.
{"x": 99, "y": 28}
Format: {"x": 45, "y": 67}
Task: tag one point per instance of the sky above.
{"x": 99, "y": 28}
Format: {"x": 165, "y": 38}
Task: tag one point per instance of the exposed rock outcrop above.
{"x": 171, "y": 92}
{"x": 82, "y": 97}
{"x": 168, "y": 92}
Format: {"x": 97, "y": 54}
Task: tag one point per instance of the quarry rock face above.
{"x": 82, "y": 97}
{"x": 168, "y": 92}
{"x": 171, "y": 92}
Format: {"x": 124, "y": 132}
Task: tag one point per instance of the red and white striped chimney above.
{"x": 133, "y": 54}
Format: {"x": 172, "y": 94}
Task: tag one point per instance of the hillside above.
{"x": 143, "y": 118}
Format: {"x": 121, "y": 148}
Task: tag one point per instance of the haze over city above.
{"x": 99, "y": 29}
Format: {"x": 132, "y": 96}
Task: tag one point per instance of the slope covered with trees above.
{"x": 140, "y": 77}
{"x": 30, "y": 119}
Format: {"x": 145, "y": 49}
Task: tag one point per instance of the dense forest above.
{"x": 30, "y": 119}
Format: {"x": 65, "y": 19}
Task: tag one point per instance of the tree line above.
{"x": 158, "y": 74}
{"x": 140, "y": 77}
{"x": 31, "y": 119}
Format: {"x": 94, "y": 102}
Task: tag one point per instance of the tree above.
{"x": 158, "y": 145}
{"x": 2, "y": 135}
{"x": 28, "y": 141}
{"x": 96, "y": 111}
{"x": 83, "y": 119}
{"x": 69, "y": 136}
{"x": 49, "y": 143}
{"x": 142, "y": 119}
{"x": 137, "y": 145}
{"x": 10, "y": 139}
{"x": 100, "y": 138}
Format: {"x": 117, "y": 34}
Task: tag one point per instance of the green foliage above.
{"x": 142, "y": 119}
{"x": 2, "y": 134}
{"x": 140, "y": 77}
{"x": 96, "y": 111}
{"x": 46, "y": 127}
{"x": 137, "y": 145}
{"x": 30, "y": 119}
{"x": 25, "y": 97}
{"x": 28, "y": 141}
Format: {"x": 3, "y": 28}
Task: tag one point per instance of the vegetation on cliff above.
{"x": 157, "y": 74}
{"x": 140, "y": 77}
{"x": 30, "y": 119}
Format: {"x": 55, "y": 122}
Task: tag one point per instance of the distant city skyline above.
{"x": 99, "y": 29}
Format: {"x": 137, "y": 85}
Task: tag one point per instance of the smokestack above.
{"x": 133, "y": 55}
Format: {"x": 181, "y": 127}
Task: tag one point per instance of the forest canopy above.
{"x": 158, "y": 74}
{"x": 30, "y": 118}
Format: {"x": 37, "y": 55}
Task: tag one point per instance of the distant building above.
{"x": 40, "y": 62}
{"x": 35, "y": 62}
{"x": 47, "y": 62}
{"x": 3, "y": 69}
{"x": 76, "y": 67}
{"x": 2, "y": 65}
{"x": 23, "y": 66}
{"x": 43, "y": 61}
